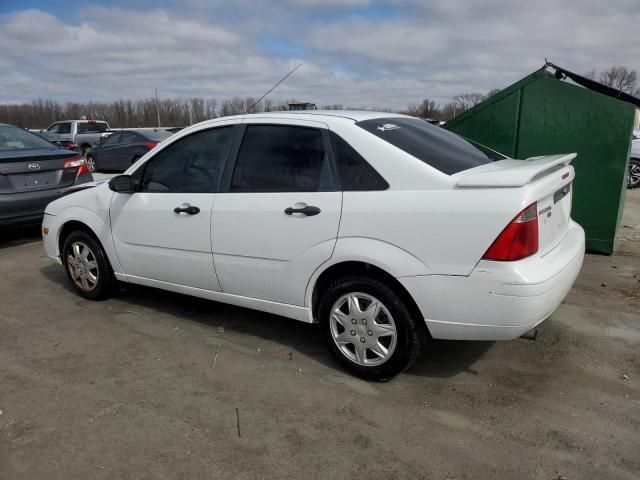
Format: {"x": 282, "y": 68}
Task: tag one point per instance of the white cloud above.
{"x": 422, "y": 50}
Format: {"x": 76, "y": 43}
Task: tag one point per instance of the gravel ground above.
{"x": 155, "y": 385}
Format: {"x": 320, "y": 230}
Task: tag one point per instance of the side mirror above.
{"x": 122, "y": 184}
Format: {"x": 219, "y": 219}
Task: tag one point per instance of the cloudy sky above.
{"x": 354, "y": 52}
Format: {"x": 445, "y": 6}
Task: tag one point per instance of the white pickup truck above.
{"x": 76, "y": 134}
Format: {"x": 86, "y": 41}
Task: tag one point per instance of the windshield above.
{"x": 433, "y": 145}
{"x": 14, "y": 138}
{"x": 156, "y": 135}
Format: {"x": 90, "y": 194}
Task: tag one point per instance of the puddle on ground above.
{"x": 622, "y": 325}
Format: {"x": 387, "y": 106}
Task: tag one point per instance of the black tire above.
{"x": 91, "y": 164}
{"x": 634, "y": 173}
{"x": 105, "y": 281}
{"x": 409, "y": 339}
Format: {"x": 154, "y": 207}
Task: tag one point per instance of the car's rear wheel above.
{"x": 91, "y": 164}
{"x": 368, "y": 328}
{"x": 634, "y": 173}
{"x": 87, "y": 266}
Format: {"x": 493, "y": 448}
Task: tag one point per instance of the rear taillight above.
{"x": 519, "y": 239}
{"x": 79, "y": 163}
{"x": 150, "y": 145}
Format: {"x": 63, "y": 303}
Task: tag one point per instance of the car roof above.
{"x": 326, "y": 116}
{"x": 355, "y": 115}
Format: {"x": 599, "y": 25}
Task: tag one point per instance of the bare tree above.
{"x": 467, "y": 100}
{"x": 621, "y": 78}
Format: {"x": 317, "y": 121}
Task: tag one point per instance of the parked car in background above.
{"x": 384, "y": 229}
{"x": 123, "y": 148}
{"x": 82, "y": 133}
{"x": 66, "y": 144}
{"x": 634, "y": 161}
{"x": 32, "y": 173}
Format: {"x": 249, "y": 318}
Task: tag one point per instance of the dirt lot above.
{"x": 155, "y": 385}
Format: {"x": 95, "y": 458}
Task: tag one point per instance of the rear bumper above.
{"x": 27, "y": 208}
{"x": 499, "y": 300}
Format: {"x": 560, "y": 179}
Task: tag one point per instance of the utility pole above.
{"x": 157, "y": 108}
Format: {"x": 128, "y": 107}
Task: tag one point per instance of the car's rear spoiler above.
{"x": 512, "y": 173}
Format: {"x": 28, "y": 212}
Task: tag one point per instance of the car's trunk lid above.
{"x": 32, "y": 170}
{"x": 547, "y": 180}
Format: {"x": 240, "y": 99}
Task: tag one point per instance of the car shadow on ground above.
{"x": 441, "y": 359}
{"x": 15, "y": 236}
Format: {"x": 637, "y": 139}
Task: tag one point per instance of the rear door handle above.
{"x": 309, "y": 210}
{"x": 191, "y": 210}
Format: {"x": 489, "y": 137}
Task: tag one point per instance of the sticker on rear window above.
{"x": 388, "y": 126}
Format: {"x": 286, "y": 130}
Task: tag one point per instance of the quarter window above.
{"x": 192, "y": 164}
{"x": 354, "y": 172}
{"x": 281, "y": 158}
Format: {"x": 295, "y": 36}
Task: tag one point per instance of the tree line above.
{"x": 182, "y": 112}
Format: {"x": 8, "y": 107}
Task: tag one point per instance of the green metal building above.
{"x": 545, "y": 113}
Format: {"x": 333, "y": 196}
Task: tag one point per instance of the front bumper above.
{"x": 499, "y": 300}
{"x": 50, "y": 239}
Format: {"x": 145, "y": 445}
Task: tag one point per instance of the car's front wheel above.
{"x": 87, "y": 266}
{"x": 634, "y": 173}
{"x": 369, "y": 329}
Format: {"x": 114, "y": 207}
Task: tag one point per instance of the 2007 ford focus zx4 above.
{"x": 384, "y": 229}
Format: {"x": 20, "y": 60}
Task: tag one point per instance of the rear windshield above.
{"x": 157, "y": 135}
{"x": 433, "y": 145}
{"x": 14, "y": 138}
{"x": 92, "y": 127}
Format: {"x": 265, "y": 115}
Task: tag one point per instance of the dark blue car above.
{"x": 123, "y": 148}
{"x": 33, "y": 172}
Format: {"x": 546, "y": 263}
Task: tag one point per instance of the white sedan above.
{"x": 386, "y": 230}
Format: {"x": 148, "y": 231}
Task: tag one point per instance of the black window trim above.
{"x": 138, "y": 174}
{"x": 227, "y": 175}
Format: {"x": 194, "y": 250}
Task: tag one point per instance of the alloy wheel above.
{"x": 363, "y": 329}
{"x": 634, "y": 175}
{"x": 83, "y": 266}
{"x": 91, "y": 164}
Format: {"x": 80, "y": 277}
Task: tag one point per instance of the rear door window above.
{"x": 92, "y": 127}
{"x": 112, "y": 139}
{"x": 433, "y": 145}
{"x": 64, "y": 128}
{"x": 128, "y": 137}
{"x": 281, "y": 158}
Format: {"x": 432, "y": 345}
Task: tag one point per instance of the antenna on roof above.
{"x": 273, "y": 88}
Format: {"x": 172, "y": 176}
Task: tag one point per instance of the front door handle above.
{"x": 309, "y": 210}
{"x": 187, "y": 209}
